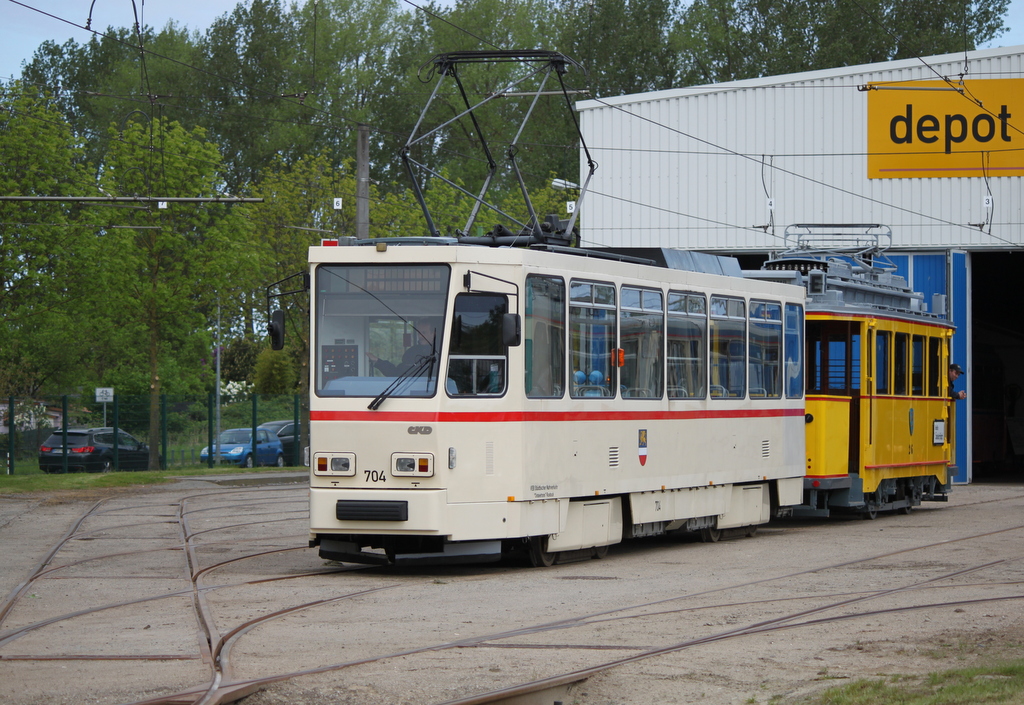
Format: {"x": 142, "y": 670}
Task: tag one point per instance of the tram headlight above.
{"x": 407, "y": 465}
{"x": 344, "y": 465}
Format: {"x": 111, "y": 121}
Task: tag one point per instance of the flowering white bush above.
{"x": 29, "y": 413}
{"x": 235, "y": 391}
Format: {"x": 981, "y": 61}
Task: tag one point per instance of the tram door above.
{"x": 833, "y": 397}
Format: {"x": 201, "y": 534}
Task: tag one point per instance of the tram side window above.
{"x": 899, "y": 363}
{"x": 728, "y": 333}
{"x": 934, "y": 367}
{"x": 917, "y": 365}
{"x": 592, "y": 339}
{"x": 477, "y": 359}
{"x": 765, "y": 353}
{"x": 544, "y": 335}
{"x": 687, "y": 345}
{"x": 833, "y": 357}
{"x": 642, "y": 323}
{"x": 854, "y": 359}
{"x": 882, "y": 362}
{"x": 794, "y": 344}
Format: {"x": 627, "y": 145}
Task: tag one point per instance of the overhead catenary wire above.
{"x": 149, "y": 96}
{"x": 145, "y": 50}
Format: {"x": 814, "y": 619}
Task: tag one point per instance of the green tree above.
{"x": 297, "y": 212}
{"x": 274, "y": 373}
{"x": 117, "y": 73}
{"x": 724, "y": 40}
{"x": 254, "y": 83}
{"x": 625, "y": 46}
{"x": 710, "y": 42}
{"x": 238, "y": 359}
{"x": 172, "y": 264}
{"x": 45, "y": 256}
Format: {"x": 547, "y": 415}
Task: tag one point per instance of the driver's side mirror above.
{"x": 276, "y": 330}
{"x": 511, "y": 330}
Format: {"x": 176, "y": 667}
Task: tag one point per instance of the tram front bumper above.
{"x": 377, "y": 511}
{"x": 427, "y": 512}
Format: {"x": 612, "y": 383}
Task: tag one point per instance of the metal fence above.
{"x": 176, "y": 428}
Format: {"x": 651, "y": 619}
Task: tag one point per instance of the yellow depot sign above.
{"x": 927, "y": 129}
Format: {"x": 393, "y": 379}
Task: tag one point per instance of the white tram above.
{"x": 470, "y": 401}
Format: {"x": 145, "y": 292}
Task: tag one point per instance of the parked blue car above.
{"x": 235, "y": 447}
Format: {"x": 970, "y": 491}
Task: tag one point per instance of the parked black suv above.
{"x": 92, "y": 450}
{"x": 285, "y": 432}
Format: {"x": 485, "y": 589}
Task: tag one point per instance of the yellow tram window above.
{"x": 917, "y": 365}
{"x": 882, "y": 363}
{"x": 899, "y": 363}
{"x": 934, "y": 367}
{"x": 833, "y": 357}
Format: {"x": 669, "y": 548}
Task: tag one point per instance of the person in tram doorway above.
{"x": 954, "y": 373}
{"x": 414, "y": 354}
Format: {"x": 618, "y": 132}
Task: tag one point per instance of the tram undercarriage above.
{"x": 846, "y": 495}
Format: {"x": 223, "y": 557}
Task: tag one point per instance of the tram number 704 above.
{"x": 375, "y": 475}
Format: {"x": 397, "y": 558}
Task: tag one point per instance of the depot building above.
{"x": 932, "y": 149}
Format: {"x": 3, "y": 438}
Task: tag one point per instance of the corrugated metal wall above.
{"x": 695, "y": 168}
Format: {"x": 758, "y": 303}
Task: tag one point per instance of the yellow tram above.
{"x": 878, "y": 413}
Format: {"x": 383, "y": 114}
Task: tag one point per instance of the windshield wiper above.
{"x": 414, "y": 371}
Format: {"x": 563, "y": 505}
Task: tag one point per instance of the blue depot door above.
{"x": 947, "y": 273}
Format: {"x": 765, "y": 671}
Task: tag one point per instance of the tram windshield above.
{"x": 379, "y": 329}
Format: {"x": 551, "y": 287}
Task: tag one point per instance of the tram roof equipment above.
{"x": 845, "y": 265}
{"x": 543, "y": 65}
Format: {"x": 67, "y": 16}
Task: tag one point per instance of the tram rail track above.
{"x": 224, "y": 632}
{"x": 234, "y": 688}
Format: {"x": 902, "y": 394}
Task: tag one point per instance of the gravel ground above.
{"x": 901, "y": 595}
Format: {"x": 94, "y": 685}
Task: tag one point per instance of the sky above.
{"x": 24, "y": 26}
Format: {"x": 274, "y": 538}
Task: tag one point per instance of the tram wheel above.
{"x": 540, "y": 557}
{"x": 709, "y": 535}
{"x": 907, "y": 509}
{"x": 600, "y": 551}
{"x": 871, "y": 511}
{"x": 751, "y": 531}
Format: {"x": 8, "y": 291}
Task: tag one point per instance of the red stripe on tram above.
{"x": 524, "y": 416}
